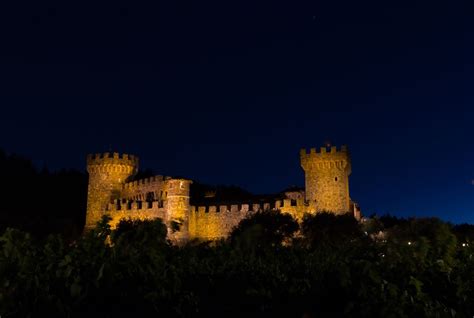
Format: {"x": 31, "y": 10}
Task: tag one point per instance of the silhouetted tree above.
{"x": 41, "y": 202}
{"x": 424, "y": 240}
{"x": 390, "y": 221}
{"x": 267, "y": 228}
{"x": 327, "y": 228}
{"x": 464, "y": 233}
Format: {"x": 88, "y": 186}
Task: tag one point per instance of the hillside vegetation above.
{"x": 329, "y": 266}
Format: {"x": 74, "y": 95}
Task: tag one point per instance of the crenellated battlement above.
{"x": 285, "y": 204}
{"x": 226, "y": 208}
{"x": 135, "y": 210}
{"x": 324, "y": 152}
{"x": 327, "y": 171}
{"x": 325, "y": 158}
{"x": 145, "y": 182}
{"x": 134, "y": 205}
{"x": 112, "y": 158}
{"x": 217, "y": 221}
{"x": 327, "y": 178}
{"x": 108, "y": 172}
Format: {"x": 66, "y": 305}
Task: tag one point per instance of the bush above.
{"x": 266, "y": 268}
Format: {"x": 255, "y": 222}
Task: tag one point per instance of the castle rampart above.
{"x": 107, "y": 174}
{"x": 136, "y": 210}
{"x": 112, "y": 159}
{"x": 327, "y": 179}
{"x": 110, "y": 192}
{"x": 217, "y": 221}
{"x": 153, "y": 188}
{"x": 324, "y": 158}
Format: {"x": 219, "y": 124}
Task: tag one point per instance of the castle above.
{"x": 110, "y": 192}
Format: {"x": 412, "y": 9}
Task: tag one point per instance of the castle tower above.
{"x": 327, "y": 179}
{"x": 107, "y": 174}
{"x": 178, "y": 207}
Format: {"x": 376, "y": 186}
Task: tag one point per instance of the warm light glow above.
{"x": 168, "y": 198}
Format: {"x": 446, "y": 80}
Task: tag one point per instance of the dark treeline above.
{"x": 327, "y": 266}
{"x": 40, "y": 201}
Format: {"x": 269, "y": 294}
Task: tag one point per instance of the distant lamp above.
{"x": 409, "y": 243}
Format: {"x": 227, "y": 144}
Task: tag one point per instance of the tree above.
{"x": 268, "y": 228}
{"x": 425, "y": 240}
{"x": 329, "y": 229}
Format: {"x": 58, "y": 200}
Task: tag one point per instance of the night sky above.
{"x": 228, "y": 92}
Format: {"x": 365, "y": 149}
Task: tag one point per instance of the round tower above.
{"x": 107, "y": 174}
{"x": 327, "y": 179}
{"x": 178, "y": 207}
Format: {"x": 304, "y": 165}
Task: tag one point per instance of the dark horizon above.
{"x": 228, "y": 93}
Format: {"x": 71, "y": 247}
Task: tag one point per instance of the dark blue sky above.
{"x": 228, "y": 92}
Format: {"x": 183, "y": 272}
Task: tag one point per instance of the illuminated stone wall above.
{"x": 109, "y": 193}
{"x": 327, "y": 179}
{"x": 214, "y": 222}
{"x": 177, "y": 205}
{"x": 135, "y": 210}
{"x": 175, "y": 208}
{"x": 141, "y": 190}
{"x": 326, "y": 189}
{"x": 107, "y": 174}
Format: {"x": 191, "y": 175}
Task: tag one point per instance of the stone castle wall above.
{"x": 326, "y": 189}
{"x": 141, "y": 190}
{"x": 107, "y": 174}
{"x": 217, "y": 221}
{"x": 327, "y": 179}
{"x": 204, "y": 222}
{"x": 135, "y": 210}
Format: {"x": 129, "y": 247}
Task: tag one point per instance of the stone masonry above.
{"x": 110, "y": 193}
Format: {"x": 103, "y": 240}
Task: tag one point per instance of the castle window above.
{"x": 150, "y": 196}
{"x": 139, "y": 205}
{"x": 335, "y": 179}
{"x": 160, "y": 204}
{"x": 293, "y": 202}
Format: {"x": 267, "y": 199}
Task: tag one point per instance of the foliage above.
{"x": 327, "y": 228}
{"x": 268, "y": 228}
{"x": 268, "y": 267}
